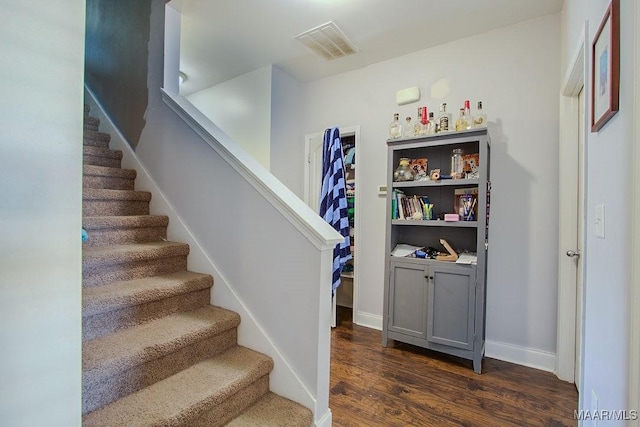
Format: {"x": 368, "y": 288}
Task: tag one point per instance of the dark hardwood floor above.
{"x": 403, "y": 385}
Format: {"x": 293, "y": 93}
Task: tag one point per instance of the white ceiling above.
{"x": 222, "y": 39}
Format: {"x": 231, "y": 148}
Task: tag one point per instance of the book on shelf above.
{"x": 409, "y": 207}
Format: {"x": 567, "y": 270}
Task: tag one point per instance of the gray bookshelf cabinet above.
{"x": 439, "y": 305}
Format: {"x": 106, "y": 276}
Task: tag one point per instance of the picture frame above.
{"x": 605, "y": 68}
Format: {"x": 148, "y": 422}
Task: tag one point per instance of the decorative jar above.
{"x": 404, "y": 171}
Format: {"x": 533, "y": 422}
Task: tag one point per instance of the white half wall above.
{"x": 41, "y": 115}
{"x": 241, "y": 107}
{"x": 515, "y": 72}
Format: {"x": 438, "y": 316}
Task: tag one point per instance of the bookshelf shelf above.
{"x": 434, "y": 223}
{"x": 440, "y": 183}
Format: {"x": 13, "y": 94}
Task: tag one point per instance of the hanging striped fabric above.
{"x": 333, "y": 199}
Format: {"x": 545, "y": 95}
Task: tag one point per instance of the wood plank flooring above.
{"x": 403, "y": 385}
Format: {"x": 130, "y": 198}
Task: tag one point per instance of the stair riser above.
{"x": 107, "y": 182}
{"x": 114, "y": 207}
{"x": 91, "y": 142}
{"x": 225, "y": 411}
{"x": 105, "y": 273}
{"x": 119, "y": 236}
{"x": 105, "y": 323}
{"x": 97, "y": 392}
{"x": 109, "y": 162}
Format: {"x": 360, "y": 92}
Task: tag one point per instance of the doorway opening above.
{"x": 347, "y": 292}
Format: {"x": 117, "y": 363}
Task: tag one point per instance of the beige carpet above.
{"x": 155, "y": 352}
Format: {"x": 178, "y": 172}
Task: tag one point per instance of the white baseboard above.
{"x": 326, "y": 420}
{"x": 525, "y": 356}
{"x": 368, "y": 320}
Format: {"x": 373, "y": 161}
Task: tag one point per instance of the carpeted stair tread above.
{"x": 113, "y": 178}
{"x": 106, "y": 356}
{"x": 92, "y": 123}
{"x": 97, "y": 135}
{"x": 92, "y": 256}
{"x": 100, "y": 222}
{"x": 109, "y": 172}
{"x": 182, "y": 398}
{"x": 274, "y": 411}
{"x": 90, "y": 194}
{"x": 101, "y": 157}
{"x": 127, "y": 293}
{"x": 101, "y": 152}
{"x": 117, "y": 230}
{"x": 94, "y": 141}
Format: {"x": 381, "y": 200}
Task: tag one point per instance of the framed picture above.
{"x": 605, "y": 68}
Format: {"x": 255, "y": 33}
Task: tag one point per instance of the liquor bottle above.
{"x": 408, "y": 128}
{"x": 417, "y": 125}
{"x": 444, "y": 119}
{"x": 480, "y": 119}
{"x": 395, "y": 128}
{"x": 460, "y": 120}
{"x": 431, "y": 124}
{"x": 424, "y": 122}
{"x": 467, "y": 122}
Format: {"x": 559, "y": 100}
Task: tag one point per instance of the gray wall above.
{"x": 516, "y": 74}
{"x": 117, "y": 38}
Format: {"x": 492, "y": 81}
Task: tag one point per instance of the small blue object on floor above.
{"x": 85, "y": 236}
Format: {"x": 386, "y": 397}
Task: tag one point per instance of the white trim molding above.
{"x": 326, "y": 420}
{"x": 634, "y": 300}
{"x": 531, "y": 357}
{"x": 369, "y": 320}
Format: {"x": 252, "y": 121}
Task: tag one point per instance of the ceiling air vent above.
{"x": 328, "y": 41}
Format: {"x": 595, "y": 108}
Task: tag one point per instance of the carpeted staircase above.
{"x": 155, "y": 352}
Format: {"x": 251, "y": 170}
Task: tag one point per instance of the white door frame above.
{"x": 634, "y": 300}
{"x": 567, "y": 292}
{"x": 307, "y": 167}
{"x": 344, "y": 131}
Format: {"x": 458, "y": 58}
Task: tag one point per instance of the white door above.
{"x": 571, "y": 232}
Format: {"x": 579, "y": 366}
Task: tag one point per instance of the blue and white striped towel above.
{"x": 333, "y": 199}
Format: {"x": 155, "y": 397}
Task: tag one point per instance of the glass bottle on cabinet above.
{"x": 395, "y": 128}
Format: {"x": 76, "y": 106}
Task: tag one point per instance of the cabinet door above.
{"x": 408, "y": 295}
{"x": 451, "y": 305}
